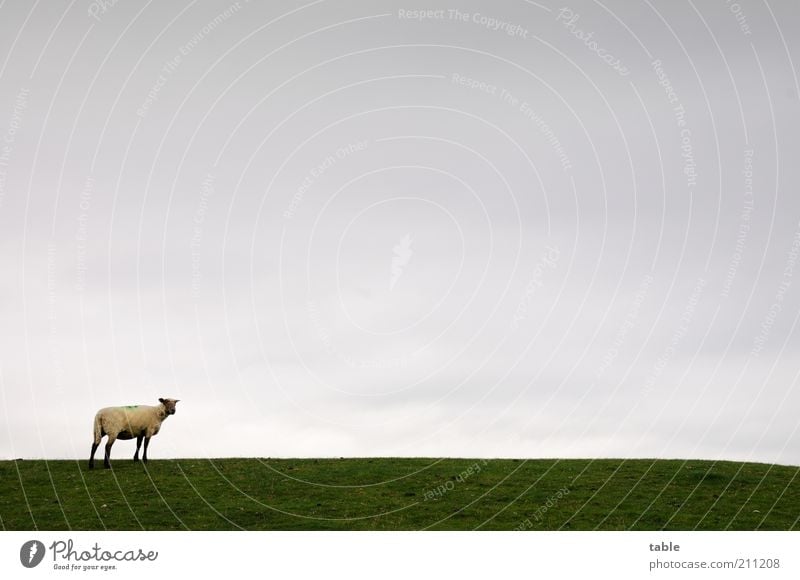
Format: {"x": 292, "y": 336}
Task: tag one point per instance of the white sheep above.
{"x": 135, "y": 421}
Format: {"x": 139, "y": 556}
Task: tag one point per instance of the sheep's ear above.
{"x": 161, "y": 400}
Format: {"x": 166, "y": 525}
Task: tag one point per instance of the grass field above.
{"x": 399, "y": 494}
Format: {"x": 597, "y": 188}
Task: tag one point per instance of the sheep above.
{"x": 139, "y": 421}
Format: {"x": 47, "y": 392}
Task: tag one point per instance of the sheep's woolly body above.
{"x": 140, "y": 422}
{"x": 128, "y": 422}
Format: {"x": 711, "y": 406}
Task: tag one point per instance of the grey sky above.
{"x": 334, "y": 229}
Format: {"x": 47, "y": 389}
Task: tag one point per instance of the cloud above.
{"x": 324, "y": 245}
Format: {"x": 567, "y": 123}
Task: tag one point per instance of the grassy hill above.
{"x": 399, "y": 494}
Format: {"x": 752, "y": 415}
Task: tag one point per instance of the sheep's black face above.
{"x": 169, "y": 405}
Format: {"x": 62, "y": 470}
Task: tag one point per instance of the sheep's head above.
{"x": 169, "y": 405}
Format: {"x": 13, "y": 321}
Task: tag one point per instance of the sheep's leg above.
{"x": 146, "y": 443}
{"x": 107, "y": 458}
{"x": 91, "y": 457}
{"x": 98, "y": 436}
{"x": 138, "y": 445}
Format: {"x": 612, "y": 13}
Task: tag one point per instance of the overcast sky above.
{"x": 516, "y": 228}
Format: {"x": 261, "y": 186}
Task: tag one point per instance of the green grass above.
{"x": 398, "y": 494}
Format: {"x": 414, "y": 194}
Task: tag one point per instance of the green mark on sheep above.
{"x": 131, "y": 407}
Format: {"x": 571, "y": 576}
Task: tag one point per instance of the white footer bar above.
{"x": 389, "y": 555}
